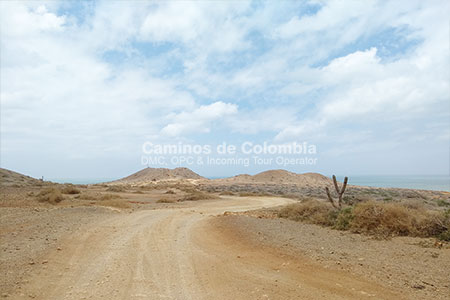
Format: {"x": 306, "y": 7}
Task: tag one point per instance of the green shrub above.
{"x": 344, "y": 218}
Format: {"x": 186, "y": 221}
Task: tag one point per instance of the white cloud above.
{"x": 20, "y": 20}
{"x": 198, "y": 120}
{"x": 293, "y": 74}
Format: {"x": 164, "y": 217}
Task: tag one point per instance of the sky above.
{"x": 85, "y": 84}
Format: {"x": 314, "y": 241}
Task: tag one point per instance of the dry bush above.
{"x": 50, "y": 195}
{"x": 109, "y": 197}
{"x": 292, "y": 196}
{"x": 227, "y": 193}
{"x": 71, "y": 190}
{"x": 442, "y": 202}
{"x": 313, "y": 211}
{"x": 166, "y": 200}
{"x": 116, "y": 189}
{"x": 391, "y": 219}
{"x": 97, "y": 196}
{"x": 254, "y": 194}
{"x": 374, "y": 218}
{"x": 170, "y": 192}
{"x": 87, "y": 196}
{"x": 100, "y": 185}
{"x": 198, "y": 195}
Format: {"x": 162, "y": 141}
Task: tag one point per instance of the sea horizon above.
{"x": 419, "y": 182}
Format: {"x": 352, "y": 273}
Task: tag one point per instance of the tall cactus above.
{"x": 340, "y": 192}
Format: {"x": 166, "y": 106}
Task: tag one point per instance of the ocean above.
{"x": 423, "y": 182}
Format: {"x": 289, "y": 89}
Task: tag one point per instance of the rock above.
{"x": 418, "y": 286}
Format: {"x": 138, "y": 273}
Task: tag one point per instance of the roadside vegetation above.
{"x": 50, "y": 195}
{"x": 375, "y": 218}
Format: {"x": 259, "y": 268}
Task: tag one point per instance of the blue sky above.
{"x": 85, "y": 84}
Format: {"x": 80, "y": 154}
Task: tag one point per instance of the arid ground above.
{"x": 181, "y": 239}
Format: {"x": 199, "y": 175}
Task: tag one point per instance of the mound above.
{"x": 156, "y": 174}
{"x": 11, "y": 178}
{"x": 281, "y": 177}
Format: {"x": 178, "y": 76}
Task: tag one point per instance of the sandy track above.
{"x": 175, "y": 254}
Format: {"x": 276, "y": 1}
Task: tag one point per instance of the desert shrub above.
{"x": 87, "y": 196}
{"x": 198, "y": 195}
{"x": 50, "y": 195}
{"x": 166, "y": 200}
{"x": 380, "y": 219}
{"x": 70, "y": 190}
{"x": 444, "y": 236}
{"x": 254, "y": 194}
{"x": 390, "y": 219}
{"x": 97, "y": 196}
{"x": 315, "y": 212}
{"x": 343, "y": 218}
{"x": 109, "y": 197}
{"x": 100, "y": 185}
{"x": 116, "y": 189}
{"x": 227, "y": 193}
{"x": 171, "y": 192}
{"x": 442, "y": 203}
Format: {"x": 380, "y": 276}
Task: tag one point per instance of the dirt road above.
{"x": 175, "y": 254}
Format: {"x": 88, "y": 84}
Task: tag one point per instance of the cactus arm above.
{"x": 336, "y": 185}
{"x": 329, "y": 197}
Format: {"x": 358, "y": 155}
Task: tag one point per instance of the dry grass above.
{"x": 116, "y": 189}
{"x": 97, "y": 196}
{"x": 50, "y": 195}
{"x": 314, "y": 212}
{"x": 198, "y": 195}
{"x": 254, "y": 194}
{"x": 166, "y": 200}
{"x": 109, "y": 197}
{"x": 227, "y": 193}
{"x": 391, "y": 219}
{"x": 373, "y": 218}
{"x": 71, "y": 190}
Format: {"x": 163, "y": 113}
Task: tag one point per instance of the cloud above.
{"x": 101, "y": 78}
{"x": 198, "y": 120}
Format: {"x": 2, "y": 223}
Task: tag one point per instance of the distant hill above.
{"x": 156, "y": 174}
{"x": 11, "y": 178}
{"x": 280, "y": 177}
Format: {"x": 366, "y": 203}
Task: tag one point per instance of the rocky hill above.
{"x": 157, "y": 174}
{"x": 11, "y": 178}
{"x": 280, "y": 177}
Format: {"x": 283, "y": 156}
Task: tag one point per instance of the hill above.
{"x": 157, "y": 174}
{"x": 11, "y": 178}
{"x": 280, "y": 177}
